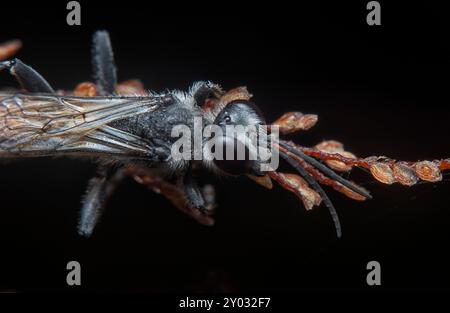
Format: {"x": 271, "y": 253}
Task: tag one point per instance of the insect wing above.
{"x": 35, "y": 125}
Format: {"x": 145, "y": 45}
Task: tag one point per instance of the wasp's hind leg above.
{"x": 28, "y": 78}
{"x": 99, "y": 190}
{"x": 103, "y": 63}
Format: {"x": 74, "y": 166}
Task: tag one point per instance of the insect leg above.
{"x": 99, "y": 190}
{"x": 209, "y": 194}
{"x": 192, "y": 191}
{"x": 174, "y": 193}
{"x": 103, "y": 65}
{"x": 28, "y": 78}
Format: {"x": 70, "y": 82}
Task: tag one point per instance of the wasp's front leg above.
{"x": 28, "y": 78}
{"x": 176, "y": 193}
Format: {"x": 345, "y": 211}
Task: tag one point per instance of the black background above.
{"x": 382, "y": 90}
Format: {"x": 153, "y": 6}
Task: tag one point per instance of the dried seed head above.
{"x": 238, "y": 93}
{"x": 404, "y": 174}
{"x": 371, "y": 159}
{"x": 295, "y": 121}
{"x": 382, "y": 172}
{"x": 351, "y": 194}
{"x": 445, "y": 165}
{"x": 86, "y": 89}
{"x": 428, "y": 171}
{"x": 339, "y": 165}
{"x": 131, "y": 87}
{"x": 9, "y": 48}
{"x": 264, "y": 181}
{"x": 330, "y": 146}
{"x": 298, "y": 185}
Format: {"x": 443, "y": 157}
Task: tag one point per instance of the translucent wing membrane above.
{"x": 38, "y": 125}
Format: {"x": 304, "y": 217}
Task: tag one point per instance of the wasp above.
{"x": 127, "y": 130}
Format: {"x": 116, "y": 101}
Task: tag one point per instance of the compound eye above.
{"x": 240, "y": 112}
{"x": 224, "y": 120}
{"x": 234, "y": 159}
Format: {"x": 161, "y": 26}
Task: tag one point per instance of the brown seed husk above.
{"x": 299, "y": 186}
{"x": 383, "y": 173}
{"x": 9, "y": 48}
{"x": 404, "y": 174}
{"x": 330, "y": 146}
{"x": 339, "y": 165}
{"x": 294, "y": 121}
{"x": 264, "y": 181}
{"x": 85, "y": 89}
{"x": 428, "y": 171}
{"x": 131, "y": 87}
{"x": 351, "y": 194}
{"x": 238, "y": 93}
